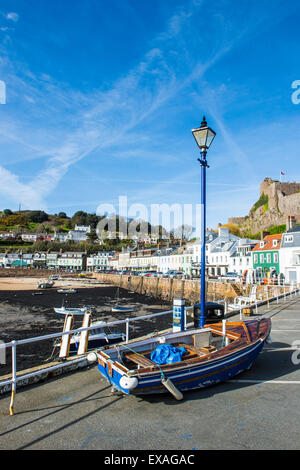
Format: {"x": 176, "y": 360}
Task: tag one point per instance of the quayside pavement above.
{"x": 259, "y": 409}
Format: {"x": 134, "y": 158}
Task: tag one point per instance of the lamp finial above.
{"x": 203, "y": 123}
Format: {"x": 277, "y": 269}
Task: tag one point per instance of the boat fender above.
{"x": 129, "y": 383}
{"x": 269, "y": 340}
{"x": 171, "y": 387}
{"x": 92, "y": 357}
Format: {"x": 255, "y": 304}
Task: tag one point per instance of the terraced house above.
{"x": 266, "y": 255}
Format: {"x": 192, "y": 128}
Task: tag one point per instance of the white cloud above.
{"x": 12, "y": 16}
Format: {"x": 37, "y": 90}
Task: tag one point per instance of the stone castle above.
{"x": 282, "y": 205}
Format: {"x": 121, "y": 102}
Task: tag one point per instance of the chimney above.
{"x": 263, "y": 234}
{"x": 291, "y": 222}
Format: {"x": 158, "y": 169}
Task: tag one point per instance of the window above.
{"x": 261, "y": 258}
{"x": 275, "y": 257}
{"x": 262, "y": 244}
{"x": 268, "y": 257}
{"x": 274, "y": 242}
{"x": 288, "y": 238}
{"x": 255, "y": 258}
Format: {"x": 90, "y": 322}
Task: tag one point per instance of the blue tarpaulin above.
{"x": 167, "y": 354}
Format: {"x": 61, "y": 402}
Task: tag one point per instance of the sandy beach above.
{"x": 30, "y": 282}
{"x": 27, "y": 312}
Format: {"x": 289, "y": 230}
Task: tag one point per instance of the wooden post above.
{"x": 65, "y": 339}
{"x": 84, "y": 336}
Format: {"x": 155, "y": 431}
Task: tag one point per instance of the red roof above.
{"x": 268, "y": 243}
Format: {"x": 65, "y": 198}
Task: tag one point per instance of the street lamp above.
{"x": 204, "y": 136}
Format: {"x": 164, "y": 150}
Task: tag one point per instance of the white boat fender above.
{"x": 92, "y": 357}
{"x": 129, "y": 383}
{"x": 171, "y": 387}
{"x": 269, "y": 340}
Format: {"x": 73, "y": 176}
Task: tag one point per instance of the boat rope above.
{"x": 142, "y": 355}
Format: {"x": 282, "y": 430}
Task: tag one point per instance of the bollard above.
{"x": 127, "y": 330}
{"x": 14, "y": 376}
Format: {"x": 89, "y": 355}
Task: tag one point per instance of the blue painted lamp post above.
{"x": 204, "y": 136}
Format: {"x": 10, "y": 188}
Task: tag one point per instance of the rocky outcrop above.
{"x": 278, "y": 201}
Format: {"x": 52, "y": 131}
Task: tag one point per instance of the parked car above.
{"x": 174, "y": 274}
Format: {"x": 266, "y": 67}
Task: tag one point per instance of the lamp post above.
{"x": 204, "y": 136}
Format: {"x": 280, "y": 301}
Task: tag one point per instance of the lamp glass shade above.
{"x": 203, "y": 136}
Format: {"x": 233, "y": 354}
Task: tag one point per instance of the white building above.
{"x": 68, "y": 261}
{"x": 218, "y": 249}
{"x": 241, "y": 259}
{"x": 76, "y": 236}
{"x": 83, "y": 228}
{"x": 289, "y": 255}
{"x": 99, "y": 261}
{"x": 30, "y": 237}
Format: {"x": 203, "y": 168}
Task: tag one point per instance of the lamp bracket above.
{"x": 203, "y": 163}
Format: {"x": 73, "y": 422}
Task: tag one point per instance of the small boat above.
{"x": 196, "y": 358}
{"x": 45, "y": 284}
{"x": 68, "y": 310}
{"x": 119, "y": 308}
{"x": 97, "y": 338}
{"x": 67, "y": 291}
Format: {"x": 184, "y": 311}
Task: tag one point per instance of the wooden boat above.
{"x": 210, "y": 357}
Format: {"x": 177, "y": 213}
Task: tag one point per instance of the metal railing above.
{"x": 291, "y": 289}
{"x": 13, "y": 345}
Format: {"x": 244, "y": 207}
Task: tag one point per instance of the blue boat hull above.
{"x": 96, "y": 343}
{"x": 192, "y": 377}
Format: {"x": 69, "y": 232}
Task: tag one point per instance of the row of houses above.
{"x": 79, "y": 234}
{"x": 271, "y": 256}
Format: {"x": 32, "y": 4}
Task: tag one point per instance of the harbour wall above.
{"x": 167, "y": 289}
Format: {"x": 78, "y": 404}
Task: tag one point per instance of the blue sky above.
{"x": 101, "y": 98}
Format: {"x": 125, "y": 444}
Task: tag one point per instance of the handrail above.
{"x": 13, "y": 344}
{"x": 79, "y": 330}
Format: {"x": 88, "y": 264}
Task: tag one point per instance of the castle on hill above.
{"x": 278, "y": 202}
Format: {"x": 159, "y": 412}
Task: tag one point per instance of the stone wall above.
{"x": 276, "y": 189}
{"x": 290, "y": 205}
{"x": 168, "y": 289}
